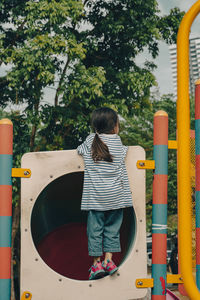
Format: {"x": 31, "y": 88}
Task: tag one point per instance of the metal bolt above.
{"x": 79, "y": 167}
{"x": 26, "y": 229}
{"x": 27, "y": 295}
{"x": 36, "y": 259}
{"x": 60, "y": 279}
{"x": 90, "y": 285}
{"x": 26, "y": 173}
{"x": 118, "y": 274}
{"x": 51, "y": 176}
{"x": 141, "y": 164}
{"x": 31, "y": 199}
{"x": 140, "y": 283}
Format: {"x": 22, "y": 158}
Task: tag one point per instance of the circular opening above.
{"x": 58, "y": 228}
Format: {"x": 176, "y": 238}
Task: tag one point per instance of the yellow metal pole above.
{"x": 183, "y": 125}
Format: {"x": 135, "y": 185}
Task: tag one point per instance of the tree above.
{"x": 47, "y": 49}
{"x": 86, "y": 51}
{"x": 139, "y": 131}
{"x": 120, "y": 31}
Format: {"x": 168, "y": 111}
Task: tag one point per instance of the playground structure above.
{"x": 53, "y": 231}
{"x": 50, "y": 215}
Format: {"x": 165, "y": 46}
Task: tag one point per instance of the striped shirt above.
{"x": 106, "y": 184}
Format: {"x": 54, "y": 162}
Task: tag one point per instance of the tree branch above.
{"x": 15, "y": 228}
{"x": 36, "y": 110}
{"x": 61, "y": 81}
{"x": 16, "y": 37}
{"x": 34, "y": 127}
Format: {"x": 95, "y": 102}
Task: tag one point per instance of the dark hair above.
{"x": 104, "y": 120}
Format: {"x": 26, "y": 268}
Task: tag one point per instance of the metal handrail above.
{"x": 183, "y": 126}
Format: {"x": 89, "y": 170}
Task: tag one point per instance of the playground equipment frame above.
{"x": 183, "y": 127}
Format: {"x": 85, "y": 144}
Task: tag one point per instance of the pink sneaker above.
{"x": 110, "y": 268}
{"x": 96, "y": 271}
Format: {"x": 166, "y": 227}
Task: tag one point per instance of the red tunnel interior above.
{"x": 59, "y": 228}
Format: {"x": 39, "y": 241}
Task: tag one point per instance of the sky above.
{"x": 163, "y": 70}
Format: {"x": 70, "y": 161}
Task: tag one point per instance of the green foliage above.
{"x": 168, "y": 25}
{"x": 120, "y": 31}
{"x": 139, "y": 131}
{"x": 47, "y": 39}
{"x": 86, "y": 52}
{"x": 46, "y": 36}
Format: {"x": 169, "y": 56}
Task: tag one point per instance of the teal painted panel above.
{"x": 198, "y": 276}
{"x": 5, "y": 231}
{"x": 159, "y": 214}
{"x": 5, "y": 169}
{"x": 159, "y": 277}
{"x": 197, "y": 137}
{"x": 160, "y": 155}
{"x": 197, "y": 196}
{"x": 5, "y": 289}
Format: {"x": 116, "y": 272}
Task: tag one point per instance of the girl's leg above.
{"x": 95, "y": 224}
{"x": 111, "y": 234}
{"x": 96, "y": 259}
{"x": 108, "y": 256}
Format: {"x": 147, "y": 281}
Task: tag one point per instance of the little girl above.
{"x": 106, "y": 189}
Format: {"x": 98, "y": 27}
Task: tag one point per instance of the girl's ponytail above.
{"x": 104, "y": 120}
{"x": 100, "y": 150}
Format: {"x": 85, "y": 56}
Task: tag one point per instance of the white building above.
{"x": 194, "y": 63}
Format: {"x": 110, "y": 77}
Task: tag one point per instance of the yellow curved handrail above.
{"x": 183, "y": 125}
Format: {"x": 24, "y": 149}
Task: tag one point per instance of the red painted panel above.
{"x": 5, "y": 200}
{"x": 159, "y": 254}
{"x": 159, "y": 189}
{"x": 6, "y": 139}
{"x": 160, "y": 130}
{"x": 197, "y": 102}
{"x": 5, "y": 259}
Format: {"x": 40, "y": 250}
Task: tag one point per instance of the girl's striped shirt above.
{"x": 106, "y": 184}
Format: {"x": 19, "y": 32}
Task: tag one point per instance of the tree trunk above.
{"x": 60, "y": 82}
{"x": 34, "y": 126}
{"x": 32, "y": 139}
{"x": 15, "y": 252}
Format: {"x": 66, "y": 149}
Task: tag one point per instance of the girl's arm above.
{"x": 81, "y": 149}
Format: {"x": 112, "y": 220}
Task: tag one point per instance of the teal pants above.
{"x": 103, "y": 231}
